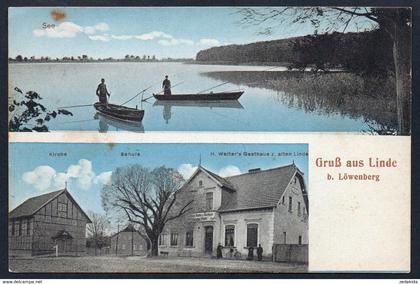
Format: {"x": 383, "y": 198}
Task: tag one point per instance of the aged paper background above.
{"x": 353, "y": 225}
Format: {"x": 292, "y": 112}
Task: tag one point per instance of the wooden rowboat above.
{"x": 120, "y": 112}
{"x": 200, "y": 97}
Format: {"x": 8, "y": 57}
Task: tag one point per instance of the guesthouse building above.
{"x": 266, "y": 207}
{"x": 47, "y": 224}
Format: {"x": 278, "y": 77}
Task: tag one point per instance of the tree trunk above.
{"x": 155, "y": 246}
{"x": 402, "y": 63}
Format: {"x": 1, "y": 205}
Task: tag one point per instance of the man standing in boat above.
{"x": 166, "y": 85}
{"x": 102, "y": 92}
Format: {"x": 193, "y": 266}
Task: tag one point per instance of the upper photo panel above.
{"x": 141, "y": 69}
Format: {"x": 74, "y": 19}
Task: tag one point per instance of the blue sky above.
{"x": 87, "y": 167}
{"x": 114, "y": 32}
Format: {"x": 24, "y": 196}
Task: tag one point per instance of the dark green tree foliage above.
{"x": 29, "y": 115}
{"x": 368, "y": 53}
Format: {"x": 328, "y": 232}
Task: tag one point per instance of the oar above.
{"x": 136, "y": 95}
{"x": 74, "y": 106}
{"x": 224, "y": 83}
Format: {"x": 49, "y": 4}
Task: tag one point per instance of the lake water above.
{"x": 259, "y": 108}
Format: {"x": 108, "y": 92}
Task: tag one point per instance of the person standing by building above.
{"x": 219, "y": 251}
{"x": 250, "y": 253}
{"x": 102, "y": 92}
{"x": 259, "y": 252}
{"x": 166, "y": 85}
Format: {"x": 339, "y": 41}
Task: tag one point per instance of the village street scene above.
{"x": 164, "y": 208}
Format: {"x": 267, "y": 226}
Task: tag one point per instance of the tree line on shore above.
{"x": 364, "y": 52}
{"x": 86, "y": 58}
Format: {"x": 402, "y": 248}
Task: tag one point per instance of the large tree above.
{"x": 147, "y": 197}
{"x": 395, "y": 22}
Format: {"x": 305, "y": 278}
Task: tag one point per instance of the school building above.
{"x": 43, "y": 222}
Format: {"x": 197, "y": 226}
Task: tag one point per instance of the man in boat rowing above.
{"x": 102, "y": 92}
{"x": 166, "y": 85}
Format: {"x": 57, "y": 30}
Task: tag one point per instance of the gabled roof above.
{"x": 259, "y": 189}
{"x": 216, "y": 178}
{"x": 222, "y": 182}
{"x": 32, "y": 205}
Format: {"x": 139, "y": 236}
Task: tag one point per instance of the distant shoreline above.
{"x": 280, "y": 64}
{"x": 96, "y": 61}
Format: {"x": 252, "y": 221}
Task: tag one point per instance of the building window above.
{"x": 162, "y": 239}
{"x": 209, "y": 201}
{"x": 13, "y": 228}
{"x": 189, "y": 241}
{"x": 20, "y": 228}
{"x": 290, "y": 203}
{"x": 282, "y": 200}
{"x": 62, "y": 207}
{"x": 300, "y": 240}
{"x": 200, "y": 183}
{"x": 23, "y": 229}
{"x": 252, "y": 235}
{"x": 123, "y": 246}
{"x": 28, "y": 227}
{"x": 230, "y": 235}
{"x": 134, "y": 247}
{"x": 284, "y": 238}
{"x": 174, "y": 239}
{"x": 298, "y": 209}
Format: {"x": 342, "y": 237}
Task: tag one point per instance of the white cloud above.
{"x": 122, "y": 37}
{"x": 102, "y": 27}
{"x": 45, "y": 177}
{"x": 229, "y": 171}
{"x": 40, "y": 177}
{"x": 153, "y": 35}
{"x": 103, "y": 178}
{"x": 70, "y": 29}
{"x": 209, "y": 42}
{"x": 186, "y": 170}
{"x": 63, "y": 30}
{"x": 174, "y": 41}
{"x": 99, "y": 37}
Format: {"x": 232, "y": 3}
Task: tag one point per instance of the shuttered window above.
{"x": 252, "y": 235}
{"x": 189, "y": 240}
{"x": 209, "y": 201}
{"x": 174, "y": 239}
{"x": 229, "y": 235}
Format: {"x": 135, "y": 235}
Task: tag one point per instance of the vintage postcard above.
{"x": 282, "y": 69}
{"x": 158, "y": 207}
{"x": 209, "y": 139}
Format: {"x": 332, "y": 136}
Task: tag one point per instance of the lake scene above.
{"x": 261, "y": 108}
{"x": 335, "y": 71}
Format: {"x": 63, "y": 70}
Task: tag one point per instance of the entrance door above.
{"x": 208, "y": 240}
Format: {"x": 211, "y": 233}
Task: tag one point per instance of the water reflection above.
{"x": 372, "y": 99}
{"x": 168, "y": 105}
{"x": 105, "y": 122}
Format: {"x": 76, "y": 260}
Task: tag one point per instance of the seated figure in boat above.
{"x": 102, "y": 92}
{"x": 166, "y": 85}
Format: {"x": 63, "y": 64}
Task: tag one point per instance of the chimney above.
{"x": 256, "y": 170}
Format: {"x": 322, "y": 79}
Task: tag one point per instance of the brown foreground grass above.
{"x": 90, "y": 264}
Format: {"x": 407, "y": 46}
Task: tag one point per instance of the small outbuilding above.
{"x": 129, "y": 242}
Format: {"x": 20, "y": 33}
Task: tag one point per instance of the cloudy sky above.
{"x": 115, "y": 32}
{"x": 87, "y": 167}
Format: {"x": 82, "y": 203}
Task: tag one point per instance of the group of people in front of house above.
{"x": 250, "y": 256}
{"x": 103, "y": 94}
